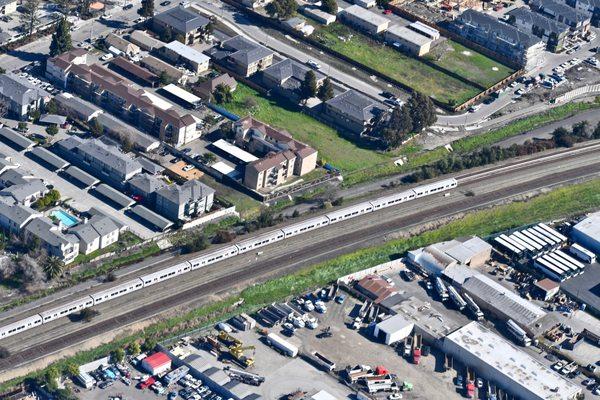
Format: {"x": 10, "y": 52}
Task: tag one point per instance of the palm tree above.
{"x": 53, "y": 267}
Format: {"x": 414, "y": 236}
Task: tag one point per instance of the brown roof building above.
{"x": 282, "y": 155}
{"x": 207, "y": 88}
{"x": 57, "y": 68}
{"x": 136, "y": 106}
{"x": 135, "y": 72}
{"x": 376, "y": 288}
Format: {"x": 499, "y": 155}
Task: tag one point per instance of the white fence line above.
{"x": 578, "y": 92}
{"x": 395, "y": 265}
{"x": 210, "y": 217}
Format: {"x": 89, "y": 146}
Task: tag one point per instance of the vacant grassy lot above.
{"x": 332, "y": 148}
{"x": 468, "y": 63}
{"x": 398, "y": 66}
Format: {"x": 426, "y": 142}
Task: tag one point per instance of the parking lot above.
{"x": 78, "y": 198}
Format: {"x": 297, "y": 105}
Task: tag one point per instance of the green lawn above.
{"x": 332, "y": 148}
{"x": 468, "y": 63}
{"x": 396, "y": 65}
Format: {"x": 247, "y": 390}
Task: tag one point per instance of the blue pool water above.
{"x": 67, "y": 219}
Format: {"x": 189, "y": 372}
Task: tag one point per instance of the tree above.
{"x": 96, "y": 127}
{"x": 397, "y": 127}
{"x": 52, "y": 130}
{"x": 29, "y": 16}
{"x": 326, "y": 90}
{"x": 308, "y": 88}
{"x": 149, "y": 345}
{"x": 196, "y": 243}
{"x": 72, "y": 369}
{"x": 134, "y": 348}
{"x": 282, "y": 9}
{"x": 337, "y": 202}
{"x": 87, "y": 314}
{"x": 296, "y": 213}
{"x": 208, "y": 158}
{"x": 147, "y": 9}
{"x": 35, "y": 115}
{"x": 51, "y": 107}
{"x": 51, "y": 377}
{"x": 222, "y": 94}
{"x": 61, "y": 38}
{"x": 224, "y": 236}
{"x": 581, "y": 129}
{"x": 167, "y": 34}
{"x": 4, "y": 353}
{"x": 53, "y": 267}
{"x": 250, "y": 103}
{"x": 329, "y": 6}
{"x": 22, "y": 127}
{"x": 165, "y": 78}
{"x": 596, "y": 133}
{"x": 3, "y": 108}
{"x": 126, "y": 144}
{"x": 84, "y": 9}
{"x": 118, "y": 355}
{"x": 64, "y": 6}
{"x": 422, "y": 111}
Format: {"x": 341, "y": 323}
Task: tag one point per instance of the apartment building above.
{"x": 104, "y": 161}
{"x": 285, "y": 78}
{"x": 135, "y": 106}
{"x": 8, "y": 7}
{"x": 20, "y": 96}
{"x": 351, "y": 111}
{"x": 282, "y": 155}
{"x": 506, "y": 40}
{"x": 242, "y": 56}
{"x": 549, "y": 30}
{"x": 52, "y": 239}
{"x": 58, "y": 67}
{"x": 183, "y": 202}
{"x": 576, "y": 19}
{"x": 182, "y": 22}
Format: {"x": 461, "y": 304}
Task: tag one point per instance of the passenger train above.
{"x": 224, "y": 253}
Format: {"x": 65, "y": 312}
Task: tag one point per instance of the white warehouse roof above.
{"x": 234, "y": 151}
{"x": 409, "y": 35}
{"x": 589, "y": 227}
{"x": 514, "y": 370}
{"x": 394, "y": 324}
{"x": 187, "y": 52}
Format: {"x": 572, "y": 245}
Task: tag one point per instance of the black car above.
{"x": 388, "y": 95}
{"x": 127, "y": 6}
{"x": 165, "y": 3}
{"x": 408, "y": 275}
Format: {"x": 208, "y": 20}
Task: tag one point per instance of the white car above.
{"x": 313, "y": 64}
{"x": 106, "y": 57}
{"x": 395, "y": 396}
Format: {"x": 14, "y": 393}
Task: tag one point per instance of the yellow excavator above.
{"x": 237, "y": 352}
{"x": 228, "y": 339}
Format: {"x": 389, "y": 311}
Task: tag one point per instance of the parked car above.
{"x": 313, "y": 64}
{"x": 165, "y": 3}
{"x": 127, "y": 6}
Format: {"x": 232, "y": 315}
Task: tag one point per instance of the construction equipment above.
{"x": 229, "y": 340}
{"x": 441, "y": 289}
{"x": 325, "y": 333}
{"x": 237, "y": 352}
{"x": 417, "y": 349}
{"x": 470, "y": 384}
{"x": 408, "y": 346}
{"x": 244, "y": 377}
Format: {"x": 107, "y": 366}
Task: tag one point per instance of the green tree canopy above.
{"x": 147, "y": 8}
{"x": 308, "y": 88}
{"x": 326, "y": 90}
{"x": 282, "y": 9}
{"x": 329, "y": 6}
{"x": 61, "y": 38}
{"x": 222, "y": 94}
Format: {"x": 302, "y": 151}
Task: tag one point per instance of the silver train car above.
{"x": 223, "y": 253}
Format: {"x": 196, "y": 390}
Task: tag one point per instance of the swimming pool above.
{"x": 67, "y": 219}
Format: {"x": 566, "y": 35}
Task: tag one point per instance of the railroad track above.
{"x": 308, "y": 255}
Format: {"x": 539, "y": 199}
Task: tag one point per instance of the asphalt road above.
{"x": 489, "y": 185}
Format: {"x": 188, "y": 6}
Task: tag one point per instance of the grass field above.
{"x": 468, "y": 63}
{"x": 572, "y": 200}
{"x": 412, "y": 72}
{"x": 332, "y": 148}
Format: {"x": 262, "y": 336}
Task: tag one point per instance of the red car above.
{"x": 147, "y": 383}
{"x": 137, "y": 197}
{"x": 387, "y": 12}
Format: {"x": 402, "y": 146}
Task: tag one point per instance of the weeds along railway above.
{"x": 212, "y": 257}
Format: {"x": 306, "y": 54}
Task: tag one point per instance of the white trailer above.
{"x": 458, "y": 301}
{"x": 582, "y": 253}
{"x": 282, "y": 345}
{"x": 554, "y": 232}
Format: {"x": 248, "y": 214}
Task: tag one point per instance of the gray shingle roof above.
{"x": 15, "y": 176}
{"x": 149, "y": 166}
{"x": 245, "y": 51}
{"x": 497, "y": 29}
{"x": 17, "y": 213}
{"x": 182, "y": 19}
{"x": 146, "y": 183}
{"x": 85, "y": 232}
{"x": 536, "y": 19}
{"x": 20, "y": 90}
{"x": 45, "y": 230}
{"x": 190, "y": 191}
{"x": 355, "y": 104}
{"x": 24, "y": 190}
{"x": 556, "y": 8}
{"x": 109, "y": 155}
{"x": 16, "y": 137}
{"x": 114, "y": 195}
{"x": 46, "y": 156}
{"x": 81, "y": 176}
{"x": 288, "y": 70}
{"x": 53, "y": 119}
{"x": 103, "y": 225}
{"x": 158, "y": 221}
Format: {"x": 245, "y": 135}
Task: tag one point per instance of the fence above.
{"x": 388, "y": 266}
{"x": 585, "y": 90}
{"x": 211, "y": 217}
